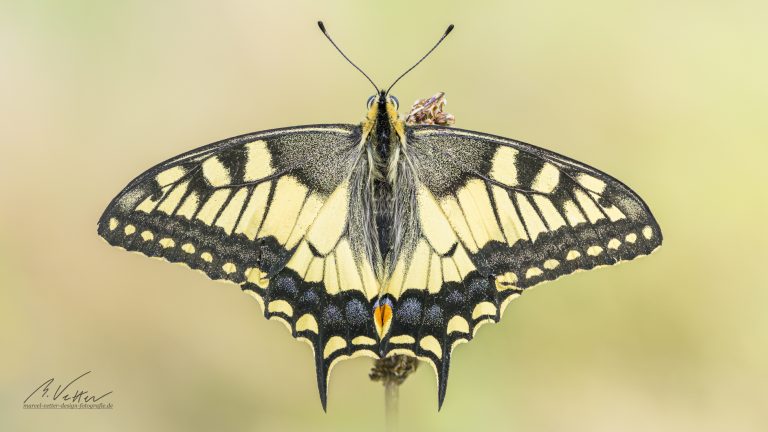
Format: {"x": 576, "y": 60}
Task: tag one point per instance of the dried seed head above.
{"x": 430, "y": 111}
{"x": 393, "y": 369}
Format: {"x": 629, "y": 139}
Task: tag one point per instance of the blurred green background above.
{"x": 669, "y": 97}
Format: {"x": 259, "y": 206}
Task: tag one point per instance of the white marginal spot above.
{"x": 206, "y": 256}
{"x": 334, "y": 344}
{"x": 594, "y": 250}
{"x": 188, "y": 248}
{"x": 572, "y": 255}
{"x": 647, "y": 232}
{"x": 483, "y": 309}
{"x": 614, "y": 243}
{"x": 307, "y": 322}
{"x": 458, "y": 324}
{"x": 547, "y": 179}
{"x": 281, "y": 306}
{"x": 402, "y": 339}
{"x": 229, "y": 268}
{"x": 533, "y": 272}
{"x": 113, "y": 223}
{"x": 551, "y": 264}
{"x": 129, "y": 229}
{"x": 631, "y": 238}
{"x": 215, "y": 172}
{"x": 167, "y": 243}
{"x": 363, "y": 340}
{"x": 147, "y": 235}
{"x": 429, "y": 343}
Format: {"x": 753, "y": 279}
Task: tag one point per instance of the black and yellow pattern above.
{"x": 499, "y": 216}
{"x": 267, "y": 211}
{"x": 381, "y": 238}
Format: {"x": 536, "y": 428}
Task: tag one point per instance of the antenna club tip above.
{"x": 450, "y": 29}
{"x": 321, "y": 25}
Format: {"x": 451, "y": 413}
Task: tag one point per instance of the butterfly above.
{"x": 381, "y": 238}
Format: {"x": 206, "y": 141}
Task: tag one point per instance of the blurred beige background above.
{"x": 670, "y": 97}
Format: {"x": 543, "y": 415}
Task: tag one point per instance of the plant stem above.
{"x": 391, "y": 414}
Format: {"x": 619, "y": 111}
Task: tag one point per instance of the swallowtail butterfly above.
{"x": 380, "y": 238}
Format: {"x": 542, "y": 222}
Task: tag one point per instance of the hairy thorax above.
{"x": 391, "y": 183}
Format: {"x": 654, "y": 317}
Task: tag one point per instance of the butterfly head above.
{"x": 382, "y": 107}
{"x": 383, "y": 99}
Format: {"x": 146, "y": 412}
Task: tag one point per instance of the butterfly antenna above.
{"x": 322, "y": 28}
{"x": 447, "y": 31}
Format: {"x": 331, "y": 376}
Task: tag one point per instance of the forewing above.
{"x": 268, "y": 211}
{"x": 499, "y": 216}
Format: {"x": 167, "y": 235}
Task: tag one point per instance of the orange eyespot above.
{"x": 382, "y": 317}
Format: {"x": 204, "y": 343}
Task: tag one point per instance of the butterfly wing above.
{"x": 499, "y": 216}
{"x": 268, "y": 211}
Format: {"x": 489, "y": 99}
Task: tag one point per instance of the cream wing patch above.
{"x": 284, "y": 209}
{"x": 328, "y": 226}
{"x": 259, "y": 161}
{"x": 434, "y": 225}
